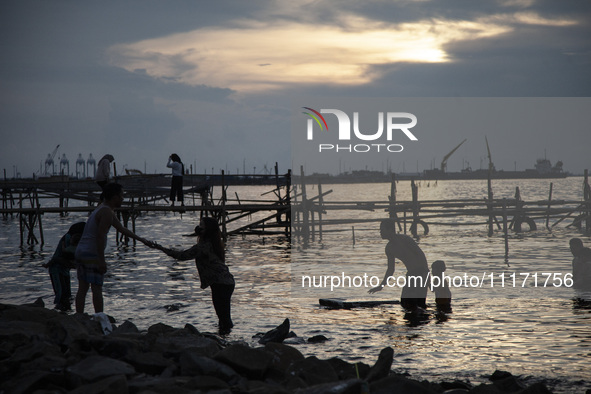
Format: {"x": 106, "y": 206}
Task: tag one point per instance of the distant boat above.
{"x": 543, "y": 169}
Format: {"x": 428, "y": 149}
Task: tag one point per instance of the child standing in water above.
{"x": 442, "y": 291}
{"x": 210, "y": 260}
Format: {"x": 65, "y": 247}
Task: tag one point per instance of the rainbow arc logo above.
{"x": 316, "y": 115}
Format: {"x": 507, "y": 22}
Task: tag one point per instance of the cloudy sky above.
{"x": 215, "y": 81}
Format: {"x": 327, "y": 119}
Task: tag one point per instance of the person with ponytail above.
{"x": 209, "y": 255}
{"x": 178, "y": 169}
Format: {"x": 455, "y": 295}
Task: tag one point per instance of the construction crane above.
{"x": 491, "y": 166}
{"x": 444, "y": 161}
{"x": 49, "y": 161}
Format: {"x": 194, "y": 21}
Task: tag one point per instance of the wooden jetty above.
{"x": 416, "y": 216}
{"x": 31, "y": 199}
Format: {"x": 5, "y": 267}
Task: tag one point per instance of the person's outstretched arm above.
{"x": 125, "y": 231}
{"x": 182, "y": 255}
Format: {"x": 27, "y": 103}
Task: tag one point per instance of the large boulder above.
{"x": 253, "y": 363}
{"x": 313, "y": 371}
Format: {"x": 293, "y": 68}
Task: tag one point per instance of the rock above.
{"x": 49, "y": 363}
{"x": 38, "y": 303}
{"x": 206, "y": 384}
{"x": 176, "y": 344}
{"x": 143, "y": 384}
{"x": 317, "y": 339}
{"x": 251, "y": 362}
{"x": 113, "y": 384}
{"x": 382, "y": 367}
{"x": 278, "y": 334}
{"x": 313, "y": 371}
{"x": 509, "y": 384}
{"x": 258, "y": 387}
{"x": 63, "y": 330}
{"x": 456, "y": 385}
{"x": 400, "y": 385}
{"x": 151, "y": 363}
{"x": 351, "y": 386}
{"x": 160, "y": 329}
{"x": 192, "y": 364}
{"x": 126, "y": 328}
{"x": 498, "y": 375}
{"x": 283, "y": 356}
{"x": 346, "y": 370}
{"x": 537, "y": 388}
{"x": 31, "y": 381}
{"x": 191, "y": 329}
{"x": 115, "y": 347}
{"x": 98, "y": 367}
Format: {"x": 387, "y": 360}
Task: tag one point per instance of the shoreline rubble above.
{"x": 44, "y": 350}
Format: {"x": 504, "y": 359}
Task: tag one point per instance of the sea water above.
{"x": 541, "y": 334}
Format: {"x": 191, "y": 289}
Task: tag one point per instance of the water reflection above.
{"x": 528, "y": 331}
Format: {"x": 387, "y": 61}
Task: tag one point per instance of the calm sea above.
{"x": 540, "y": 333}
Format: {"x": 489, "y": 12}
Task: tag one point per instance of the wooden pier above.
{"x": 416, "y": 217}
{"x": 31, "y": 199}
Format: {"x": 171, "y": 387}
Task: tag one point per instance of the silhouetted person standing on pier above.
{"x": 210, "y": 260}
{"x": 404, "y": 248}
{"x": 178, "y": 169}
{"x": 103, "y": 171}
{"x": 90, "y": 253}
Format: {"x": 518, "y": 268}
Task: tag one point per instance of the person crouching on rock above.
{"x": 211, "y": 265}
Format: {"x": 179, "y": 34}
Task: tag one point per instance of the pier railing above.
{"x": 30, "y": 199}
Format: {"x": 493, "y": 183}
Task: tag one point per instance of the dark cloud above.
{"x": 58, "y": 87}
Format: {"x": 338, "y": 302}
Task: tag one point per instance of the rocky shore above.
{"x": 46, "y": 351}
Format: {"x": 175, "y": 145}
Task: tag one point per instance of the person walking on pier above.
{"x": 211, "y": 265}
{"x": 103, "y": 171}
{"x": 90, "y": 253}
{"x": 60, "y": 265}
{"x": 403, "y": 247}
{"x": 178, "y": 169}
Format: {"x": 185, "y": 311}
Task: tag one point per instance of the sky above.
{"x": 215, "y": 82}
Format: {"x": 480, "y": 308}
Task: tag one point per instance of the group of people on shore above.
{"x": 83, "y": 248}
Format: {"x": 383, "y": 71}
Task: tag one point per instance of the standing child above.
{"x": 210, "y": 260}
{"x": 442, "y": 291}
{"x": 60, "y": 265}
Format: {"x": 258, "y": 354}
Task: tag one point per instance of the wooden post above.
{"x": 20, "y": 215}
{"x": 392, "y": 204}
{"x": 320, "y": 208}
{"x": 39, "y": 218}
{"x": 505, "y": 231}
{"x": 490, "y": 204}
{"x": 415, "y": 208}
{"x": 587, "y": 197}
{"x": 305, "y": 219}
{"x": 288, "y": 216}
{"x": 549, "y": 207}
{"x": 223, "y": 211}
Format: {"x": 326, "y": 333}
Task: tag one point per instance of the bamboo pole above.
{"x": 549, "y": 205}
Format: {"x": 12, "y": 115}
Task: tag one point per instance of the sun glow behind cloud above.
{"x": 255, "y": 56}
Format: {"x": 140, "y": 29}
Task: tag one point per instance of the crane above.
{"x": 49, "y": 161}
{"x": 444, "y": 161}
{"x": 491, "y": 166}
